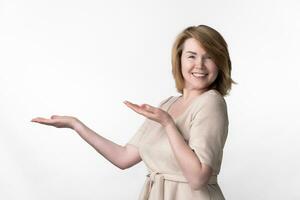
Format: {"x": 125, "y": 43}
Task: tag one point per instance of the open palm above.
{"x": 57, "y": 121}
{"x": 151, "y": 112}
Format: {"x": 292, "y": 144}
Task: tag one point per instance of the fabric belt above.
{"x": 159, "y": 179}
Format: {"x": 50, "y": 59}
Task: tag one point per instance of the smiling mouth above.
{"x": 199, "y": 75}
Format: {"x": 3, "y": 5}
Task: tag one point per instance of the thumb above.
{"x": 54, "y": 116}
{"x": 147, "y": 107}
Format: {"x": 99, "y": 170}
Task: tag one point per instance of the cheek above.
{"x": 185, "y": 66}
{"x": 183, "y": 63}
{"x": 213, "y": 67}
{"x": 216, "y": 75}
{"x": 214, "y": 71}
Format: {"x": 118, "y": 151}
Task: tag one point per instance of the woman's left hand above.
{"x": 151, "y": 112}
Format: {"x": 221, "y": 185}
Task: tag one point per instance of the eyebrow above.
{"x": 194, "y": 53}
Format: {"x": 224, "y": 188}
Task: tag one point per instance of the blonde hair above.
{"x": 215, "y": 45}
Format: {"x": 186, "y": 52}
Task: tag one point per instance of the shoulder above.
{"x": 212, "y": 102}
{"x": 211, "y": 106}
{"x": 213, "y": 98}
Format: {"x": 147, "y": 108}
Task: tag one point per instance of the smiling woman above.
{"x": 181, "y": 141}
{"x": 197, "y": 68}
{"x": 205, "y": 46}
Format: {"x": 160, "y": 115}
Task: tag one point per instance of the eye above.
{"x": 191, "y": 57}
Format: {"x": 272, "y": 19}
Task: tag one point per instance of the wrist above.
{"x": 169, "y": 123}
{"x": 77, "y": 125}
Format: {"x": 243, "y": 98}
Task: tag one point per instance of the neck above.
{"x": 189, "y": 94}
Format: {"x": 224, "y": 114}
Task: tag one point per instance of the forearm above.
{"x": 187, "y": 159}
{"x": 111, "y": 151}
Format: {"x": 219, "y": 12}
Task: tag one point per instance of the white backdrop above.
{"x": 84, "y": 58}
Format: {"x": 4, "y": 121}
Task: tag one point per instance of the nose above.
{"x": 200, "y": 63}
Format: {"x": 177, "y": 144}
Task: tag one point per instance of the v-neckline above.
{"x": 187, "y": 108}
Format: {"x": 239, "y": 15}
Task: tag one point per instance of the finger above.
{"x": 129, "y": 103}
{"x": 33, "y": 120}
{"x": 145, "y": 110}
{"x": 43, "y": 121}
{"x": 141, "y": 109}
{"x": 37, "y": 119}
{"x": 54, "y": 116}
{"x": 136, "y": 106}
{"x": 133, "y": 106}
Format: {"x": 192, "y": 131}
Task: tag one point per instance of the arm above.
{"x": 122, "y": 157}
{"x": 196, "y": 173}
{"x": 208, "y": 132}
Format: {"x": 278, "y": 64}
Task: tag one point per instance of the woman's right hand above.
{"x": 58, "y": 121}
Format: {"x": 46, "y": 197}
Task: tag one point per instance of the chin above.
{"x": 202, "y": 87}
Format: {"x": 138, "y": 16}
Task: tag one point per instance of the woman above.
{"x": 181, "y": 142}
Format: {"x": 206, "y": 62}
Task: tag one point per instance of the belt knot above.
{"x": 157, "y": 178}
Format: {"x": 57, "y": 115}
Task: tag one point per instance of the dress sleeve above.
{"x": 137, "y": 137}
{"x": 208, "y": 132}
{"x": 135, "y": 140}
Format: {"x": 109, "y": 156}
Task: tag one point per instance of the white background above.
{"x": 84, "y": 58}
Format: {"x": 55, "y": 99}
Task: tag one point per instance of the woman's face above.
{"x": 198, "y": 69}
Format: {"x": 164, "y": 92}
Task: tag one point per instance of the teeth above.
{"x": 198, "y": 74}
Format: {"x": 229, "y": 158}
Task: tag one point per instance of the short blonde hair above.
{"x": 215, "y": 45}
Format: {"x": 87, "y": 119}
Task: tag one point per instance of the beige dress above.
{"x": 204, "y": 126}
